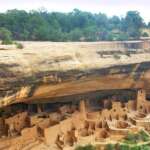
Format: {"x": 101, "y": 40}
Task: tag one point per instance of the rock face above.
{"x": 45, "y": 71}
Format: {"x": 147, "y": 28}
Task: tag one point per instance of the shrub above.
{"x": 116, "y": 56}
{"x": 5, "y": 36}
{"x": 19, "y": 45}
{"x": 110, "y": 147}
{"x": 87, "y": 147}
{"x": 143, "y": 136}
{"x": 145, "y": 34}
{"x": 7, "y": 42}
{"x": 124, "y": 147}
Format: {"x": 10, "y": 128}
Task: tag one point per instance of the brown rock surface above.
{"x": 45, "y": 71}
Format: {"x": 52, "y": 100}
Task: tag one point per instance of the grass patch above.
{"x": 87, "y": 147}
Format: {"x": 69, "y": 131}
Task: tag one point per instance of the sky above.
{"x": 110, "y": 7}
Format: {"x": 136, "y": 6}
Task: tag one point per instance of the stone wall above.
{"x": 18, "y": 122}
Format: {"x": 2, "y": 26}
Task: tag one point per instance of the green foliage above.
{"x": 131, "y": 138}
{"x": 19, "y": 45}
{"x": 124, "y": 147}
{"x": 148, "y": 25}
{"x": 146, "y": 147}
{"x": 145, "y": 34}
{"x": 132, "y": 24}
{"x": 90, "y": 33}
{"x": 87, "y": 147}
{"x": 138, "y": 141}
{"x": 135, "y": 147}
{"x": 74, "y": 26}
{"x": 5, "y": 36}
{"x": 110, "y": 147}
{"x": 122, "y": 37}
{"x": 136, "y": 138}
{"x": 75, "y": 35}
{"x": 143, "y": 136}
{"x": 116, "y": 56}
{"x": 7, "y": 42}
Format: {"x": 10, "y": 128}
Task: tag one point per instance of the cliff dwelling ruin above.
{"x": 71, "y": 123}
{"x": 89, "y": 93}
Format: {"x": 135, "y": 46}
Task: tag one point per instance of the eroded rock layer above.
{"x": 46, "y": 71}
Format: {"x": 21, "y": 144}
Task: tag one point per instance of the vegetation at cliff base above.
{"x": 87, "y": 147}
{"x": 136, "y": 138}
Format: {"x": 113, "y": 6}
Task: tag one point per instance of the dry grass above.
{"x": 82, "y": 55}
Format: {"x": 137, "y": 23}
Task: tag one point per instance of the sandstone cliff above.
{"x": 43, "y": 71}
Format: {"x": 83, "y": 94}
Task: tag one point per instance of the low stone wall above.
{"x": 30, "y": 133}
{"x": 18, "y": 122}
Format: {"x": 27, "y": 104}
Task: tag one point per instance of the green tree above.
{"x": 75, "y": 35}
{"x": 132, "y": 24}
{"x": 91, "y": 33}
{"x": 145, "y": 34}
{"x": 148, "y": 25}
{"x": 114, "y": 23}
{"x": 73, "y": 26}
{"x": 5, "y": 36}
